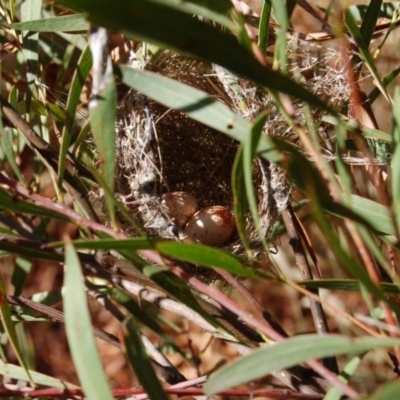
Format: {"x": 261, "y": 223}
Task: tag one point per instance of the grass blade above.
{"x": 78, "y": 80}
{"x": 141, "y": 364}
{"x": 79, "y": 331}
{"x": 205, "y": 256}
{"x": 9, "y": 327}
{"x": 369, "y": 22}
{"x": 289, "y": 353}
{"x": 70, "y": 23}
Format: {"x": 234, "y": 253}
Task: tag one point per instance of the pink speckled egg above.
{"x": 212, "y": 226}
{"x": 179, "y": 206}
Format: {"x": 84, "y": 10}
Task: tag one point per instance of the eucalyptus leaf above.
{"x": 80, "y": 333}
{"x": 288, "y": 353}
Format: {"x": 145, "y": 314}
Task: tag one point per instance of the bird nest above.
{"x": 160, "y": 150}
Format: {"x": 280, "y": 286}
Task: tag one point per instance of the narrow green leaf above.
{"x": 133, "y": 244}
{"x": 19, "y": 373}
{"x": 205, "y": 256}
{"x": 141, "y": 364}
{"x": 153, "y": 21}
{"x": 30, "y": 10}
{"x": 352, "y": 125}
{"x": 29, "y": 250}
{"x": 369, "y": 21}
{"x": 395, "y": 166}
{"x": 70, "y": 23}
{"x": 216, "y": 11}
{"x": 9, "y": 327}
{"x": 263, "y": 27}
{"x": 347, "y": 285}
{"x": 78, "y": 81}
{"x": 240, "y": 204}
{"x": 389, "y": 78}
{"x": 102, "y": 114}
{"x": 280, "y": 55}
{"x": 79, "y": 331}
{"x": 6, "y": 138}
{"x": 7, "y": 202}
{"x": 249, "y": 154}
{"x": 375, "y": 214}
{"x": 289, "y": 353}
{"x": 22, "y": 268}
{"x": 37, "y": 107}
{"x": 363, "y": 48}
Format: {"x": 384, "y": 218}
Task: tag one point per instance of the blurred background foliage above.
{"x": 285, "y": 113}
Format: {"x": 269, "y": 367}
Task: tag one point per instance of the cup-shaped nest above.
{"x": 161, "y": 151}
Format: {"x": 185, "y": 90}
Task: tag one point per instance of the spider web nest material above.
{"x": 160, "y": 150}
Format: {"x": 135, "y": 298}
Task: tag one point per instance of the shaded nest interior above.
{"x": 160, "y": 150}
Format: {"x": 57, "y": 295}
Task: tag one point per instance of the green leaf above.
{"x": 352, "y": 125}
{"x": 70, "y": 23}
{"x": 347, "y": 285}
{"x": 7, "y": 202}
{"x": 395, "y": 166}
{"x": 29, "y": 250}
{"x": 141, "y": 364}
{"x": 19, "y": 373}
{"x": 171, "y": 28}
{"x": 6, "y": 138}
{"x": 22, "y": 268}
{"x": 78, "y": 81}
{"x": 376, "y": 215}
{"x": 263, "y": 27}
{"x": 374, "y": 94}
{"x": 205, "y": 256}
{"x": 30, "y": 10}
{"x": 289, "y": 353}
{"x": 280, "y": 55}
{"x": 240, "y": 204}
{"x": 369, "y": 22}
{"x": 9, "y": 327}
{"x": 363, "y": 48}
{"x": 102, "y": 114}
{"x": 133, "y": 244}
{"x": 249, "y": 154}
{"x": 79, "y": 331}
{"x": 37, "y": 107}
{"x": 209, "y": 9}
